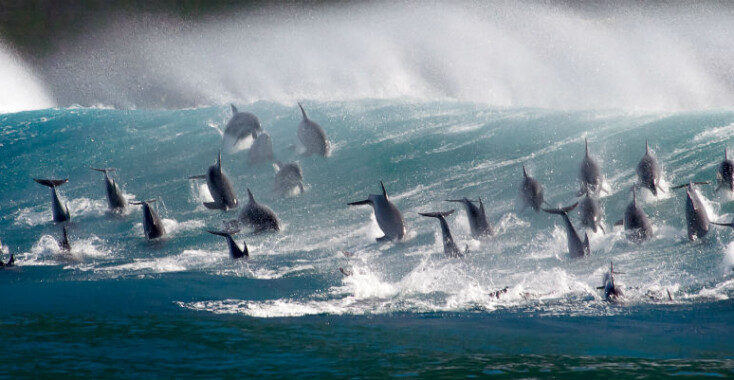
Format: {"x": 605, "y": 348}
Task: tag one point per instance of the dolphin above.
{"x": 449, "y": 247}
{"x": 589, "y": 174}
{"x": 288, "y": 177}
{"x": 219, "y": 187}
{"x": 477, "y": 217}
{"x": 260, "y": 217}
{"x": 261, "y": 150}
{"x": 115, "y": 199}
{"x": 648, "y": 172}
{"x": 312, "y": 136}
{"x": 234, "y": 250}
{"x": 696, "y": 217}
{"x": 241, "y": 125}
{"x": 576, "y": 247}
{"x": 152, "y": 224}
{"x": 635, "y": 221}
{"x": 531, "y": 192}
{"x": 612, "y": 292}
{"x": 725, "y": 173}
{"x": 64, "y": 241}
{"x": 591, "y": 214}
{"x": 388, "y": 216}
{"x": 60, "y": 212}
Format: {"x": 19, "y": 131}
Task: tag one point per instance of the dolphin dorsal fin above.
{"x": 647, "y": 147}
{"x": 249, "y": 194}
{"x": 234, "y": 109}
{"x": 303, "y": 112}
{"x": 219, "y": 162}
{"x": 524, "y": 172}
{"x": 586, "y": 142}
{"x": 481, "y": 206}
{"x": 634, "y": 195}
{"x": 384, "y": 192}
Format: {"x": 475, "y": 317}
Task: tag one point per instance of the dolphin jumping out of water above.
{"x": 288, "y": 177}
{"x": 312, "y": 136}
{"x": 259, "y": 216}
{"x": 531, "y": 192}
{"x": 60, "y": 212}
{"x": 234, "y": 250}
{"x": 589, "y": 174}
{"x": 648, "y": 172}
{"x": 242, "y": 125}
{"x": 388, "y": 216}
{"x": 152, "y": 224}
{"x": 576, "y": 247}
{"x": 261, "y": 150}
{"x": 591, "y": 214}
{"x": 115, "y": 199}
{"x": 219, "y": 187}
{"x": 697, "y": 219}
{"x": 635, "y": 221}
{"x": 449, "y": 247}
{"x": 725, "y": 173}
{"x": 64, "y": 244}
{"x": 612, "y": 292}
{"x": 478, "y": 223}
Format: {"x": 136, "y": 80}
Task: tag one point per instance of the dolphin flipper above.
{"x": 359, "y": 203}
{"x": 214, "y": 205}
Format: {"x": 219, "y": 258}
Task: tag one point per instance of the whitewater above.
{"x": 118, "y": 305}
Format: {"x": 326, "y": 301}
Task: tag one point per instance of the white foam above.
{"x": 20, "y": 90}
{"x": 46, "y": 251}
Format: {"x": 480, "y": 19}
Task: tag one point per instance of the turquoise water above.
{"x": 119, "y": 305}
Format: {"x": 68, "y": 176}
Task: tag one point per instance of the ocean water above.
{"x": 120, "y": 306}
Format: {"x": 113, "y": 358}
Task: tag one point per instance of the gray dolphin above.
{"x": 576, "y": 247}
{"x": 612, "y": 292}
{"x": 388, "y": 216}
{"x": 60, "y": 212}
{"x": 648, "y": 172}
{"x": 480, "y": 227}
{"x": 589, "y": 174}
{"x": 449, "y": 247}
{"x": 234, "y": 251}
{"x": 115, "y": 199}
{"x": 152, "y": 224}
{"x": 591, "y": 214}
{"x": 258, "y": 216}
{"x": 64, "y": 244}
{"x": 288, "y": 177}
{"x": 219, "y": 187}
{"x": 261, "y": 150}
{"x": 697, "y": 220}
{"x": 531, "y": 192}
{"x": 241, "y": 125}
{"x": 312, "y": 136}
{"x": 635, "y": 221}
{"x": 725, "y": 173}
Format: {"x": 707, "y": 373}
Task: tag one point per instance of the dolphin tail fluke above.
{"x": 142, "y": 202}
{"x": 202, "y": 176}
{"x": 219, "y": 233}
{"x": 562, "y": 210}
{"x": 245, "y": 252}
{"x": 359, "y": 203}
{"x": 234, "y": 109}
{"x": 441, "y": 214}
{"x": 51, "y": 182}
{"x": 303, "y": 112}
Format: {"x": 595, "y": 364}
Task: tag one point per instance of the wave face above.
{"x": 425, "y": 152}
{"x": 513, "y": 54}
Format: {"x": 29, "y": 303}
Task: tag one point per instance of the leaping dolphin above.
{"x": 589, "y": 174}
{"x": 531, "y": 192}
{"x": 480, "y": 227}
{"x": 64, "y": 244}
{"x": 258, "y": 216}
{"x": 576, "y": 247}
{"x": 152, "y": 224}
{"x": 725, "y": 173}
{"x": 234, "y": 251}
{"x": 115, "y": 199}
{"x": 697, "y": 218}
{"x": 612, "y": 292}
{"x": 288, "y": 177}
{"x": 449, "y": 247}
{"x": 635, "y": 221}
{"x": 591, "y": 214}
{"x": 388, "y": 216}
{"x": 219, "y": 187}
{"x": 648, "y": 172}
{"x": 312, "y": 136}
{"x": 60, "y": 212}
{"x": 242, "y": 125}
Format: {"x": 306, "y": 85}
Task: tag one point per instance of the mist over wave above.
{"x": 500, "y": 53}
{"x": 20, "y": 90}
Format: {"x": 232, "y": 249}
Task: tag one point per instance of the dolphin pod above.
{"x": 219, "y": 187}
{"x": 115, "y": 199}
{"x": 389, "y": 218}
{"x": 60, "y": 211}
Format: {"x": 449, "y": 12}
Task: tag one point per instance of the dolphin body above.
{"x": 697, "y": 219}
{"x": 258, "y": 216}
{"x": 388, "y": 216}
{"x": 612, "y": 292}
{"x": 591, "y": 214}
{"x": 725, "y": 173}
{"x": 589, "y": 174}
{"x": 64, "y": 244}
{"x": 635, "y": 221}
{"x": 449, "y": 247}
{"x": 648, "y": 172}
{"x": 478, "y": 223}
{"x": 576, "y": 247}
{"x": 220, "y": 187}
{"x": 242, "y": 125}
{"x": 531, "y": 192}
{"x": 261, "y": 150}
{"x": 152, "y": 224}
{"x": 115, "y": 199}
{"x": 60, "y": 212}
{"x": 234, "y": 251}
{"x": 288, "y": 177}
{"x": 312, "y": 136}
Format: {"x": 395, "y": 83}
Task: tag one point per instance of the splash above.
{"x": 20, "y": 90}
